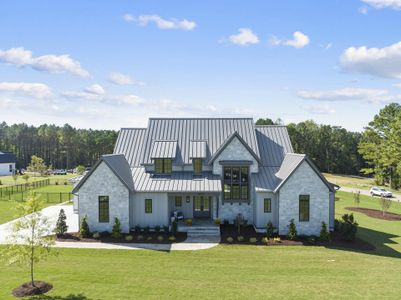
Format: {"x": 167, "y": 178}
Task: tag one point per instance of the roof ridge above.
{"x": 131, "y": 128}
{"x": 197, "y": 118}
{"x": 270, "y": 125}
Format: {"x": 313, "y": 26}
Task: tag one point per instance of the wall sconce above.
{"x": 187, "y": 199}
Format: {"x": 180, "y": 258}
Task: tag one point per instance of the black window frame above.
{"x": 148, "y": 202}
{"x": 267, "y": 205}
{"x": 179, "y": 199}
{"x": 236, "y": 185}
{"x": 104, "y": 209}
{"x": 163, "y": 166}
{"x": 304, "y": 203}
{"x": 200, "y": 161}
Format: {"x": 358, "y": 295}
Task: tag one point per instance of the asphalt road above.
{"x": 367, "y": 193}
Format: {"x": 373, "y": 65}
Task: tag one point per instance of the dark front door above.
{"x": 201, "y": 207}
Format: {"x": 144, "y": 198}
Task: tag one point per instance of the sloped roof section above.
{"x": 7, "y": 157}
{"x": 197, "y": 149}
{"x": 164, "y": 149}
{"x": 130, "y": 142}
{"x": 265, "y": 180}
{"x": 177, "y": 182}
{"x": 118, "y": 164}
{"x": 274, "y": 142}
{"x": 213, "y": 130}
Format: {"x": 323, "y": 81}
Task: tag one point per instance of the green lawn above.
{"x": 229, "y": 272}
{"x": 8, "y": 180}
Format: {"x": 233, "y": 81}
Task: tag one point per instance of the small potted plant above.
{"x": 188, "y": 222}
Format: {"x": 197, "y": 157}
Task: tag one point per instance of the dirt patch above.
{"x": 137, "y": 237}
{"x": 27, "y": 289}
{"x": 374, "y": 213}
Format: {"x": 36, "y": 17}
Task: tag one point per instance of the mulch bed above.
{"x": 143, "y": 238}
{"x": 374, "y": 213}
{"x": 27, "y": 289}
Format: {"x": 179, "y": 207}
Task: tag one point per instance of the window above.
{"x": 148, "y": 206}
{"x": 11, "y": 168}
{"x": 235, "y": 183}
{"x": 267, "y": 207}
{"x": 163, "y": 165}
{"x": 304, "y": 208}
{"x": 178, "y": 201}
{"x": 103, "y": 209}
{"x": 197, "y": 166}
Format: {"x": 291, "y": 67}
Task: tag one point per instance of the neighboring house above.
{"x": 206, "y": 169}
{"x": 7, "y": 163}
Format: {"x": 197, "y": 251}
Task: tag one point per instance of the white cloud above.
{"x": 299, "y": 40}
{"x": 244, "y": 37}
{"x": 122, "y": 79}
{"x": 382, "y": 62}
{"x": 349, "y": 94}
{"x": 161, "y": 23}
{"x": 319, "y": 109}
{"x": 35, "y": 90}
{"x": 96, "y": 89}
{"x": 50, "y": 63}
{"x": 363, "y": 10}
{"x": 394, "y": 4}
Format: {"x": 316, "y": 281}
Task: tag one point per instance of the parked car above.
{"x": 60, "y": 172}
{"x": 376, "y": 191}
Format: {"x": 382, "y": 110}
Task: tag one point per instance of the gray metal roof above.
{"x": 7, "y": 157}
{"x": 213, "y": 130}
{"x": 177, "y": 182}
{"x": 197, "y": 149}
{"x": 274, "y": 142}
{"x": 265, "y": 180}
{"x": 164, "y": 149}
{"x": 118, "y": 164}
{"x": 130, "y": 142}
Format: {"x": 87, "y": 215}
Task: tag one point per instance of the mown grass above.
{"x": 8, "y": 180}
{"x": 230, "y": 272}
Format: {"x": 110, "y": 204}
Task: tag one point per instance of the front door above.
{"x": 201, "y": 207}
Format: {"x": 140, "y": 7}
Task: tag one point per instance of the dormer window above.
{"x": 163, "y": 165}
{"x": 197, "y": 162}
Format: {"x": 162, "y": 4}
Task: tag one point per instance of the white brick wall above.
{"x": 303, "y": 181}
{"x": 103, "y": 182}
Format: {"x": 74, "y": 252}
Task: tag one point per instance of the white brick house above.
{"x": 214, "y": 168}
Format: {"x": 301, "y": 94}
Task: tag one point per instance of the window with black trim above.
{"x": 236, "y": 183}
{"x": 163, "y": 165}
{"x": 11, "y": 168}
{"x": 104, "y": 209}
{"x": 148, "y": 206}
{"x": 178, "y": 201}
{"x": 304, "y": 208}
{"x": 267, "y": 205}
{"x": 197, "y": 162}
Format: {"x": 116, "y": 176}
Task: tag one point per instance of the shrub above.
{"x": 230, "y": 239}
{"x": 336, "y": 225}
{"x": 277, "y": 239}
{"x": 348, "y": 227}
{"x": 292, "y": 230}
{"x": 269, "y": 229}
{"x": 217, "y": 221}
{"x": 146, "y": 229}
{"x": 157, "y": 228}
{"x": 240, "y": 238}
{"x": 137, "y": 228}
{"x": 165, "y": 228}
{"x": 84, "y": 230}
{"x": 324, "y": 234}
{"x": 65, "y": 182}
{"x": 385, "y": 204}
{"x": 160, "y": 238}
{"x": 188, "y": 222}
{"x": 56, "y": 182}
{"x": 265, "y": 240}
{"x": 1, "y": 183}
{"x": 171, "y": 238}
{"x": 80, "y": 169}
{"x": 25, "y": 177}
{"x": 312, "y": 240}
{"x": 149, "y": 238}
{"x": 140, "y": 237}
{"x": 61, "y": 225}
{"x": 96, "y": 235}
{"x": 253, "y": 240}
{"x": 116, "y": 231}
{"x": 129, "y": 238}
{"x": 174, "y": 228}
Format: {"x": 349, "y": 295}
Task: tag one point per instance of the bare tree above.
{"x": 357, "y": 197}
{"x": 385, "y": 204}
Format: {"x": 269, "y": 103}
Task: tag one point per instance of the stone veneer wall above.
{"x": 304, "y": 181}
{"x": 103, "y": 182}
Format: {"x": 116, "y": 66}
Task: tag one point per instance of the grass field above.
{"x": 230, "y": 272}
{"x": 8, "y": 180}
{"x": 7, "y": 207}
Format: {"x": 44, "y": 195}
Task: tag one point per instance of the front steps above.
{"x": 209, "y": 230}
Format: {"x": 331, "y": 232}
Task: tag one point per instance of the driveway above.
{"x": 366, "y": 192}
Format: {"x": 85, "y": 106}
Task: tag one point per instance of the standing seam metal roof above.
{"x": 164, "y": 149}
{"x": 130, "y": 142}
{"x": 197, "y": 149}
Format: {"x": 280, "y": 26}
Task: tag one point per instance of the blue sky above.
{"x": 112, "y": 64}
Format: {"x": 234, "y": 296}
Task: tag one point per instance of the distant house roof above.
{"x": 164, "y": 149}
{"x": 7, "y": 157}
{"x": 197, "y": 149}
{"x": 118, "y": 164}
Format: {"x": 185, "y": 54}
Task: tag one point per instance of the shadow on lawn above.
{"x": 68, "y": 297}
{"x": 378, "y": 239}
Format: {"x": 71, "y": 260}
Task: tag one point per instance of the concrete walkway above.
{"x": 395, "y": 197}
{"x": 191, "y": 243}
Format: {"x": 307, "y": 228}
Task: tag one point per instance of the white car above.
{"x": 375, "y": 191}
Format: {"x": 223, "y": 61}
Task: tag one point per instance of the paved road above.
{"x": 366, "y": 192}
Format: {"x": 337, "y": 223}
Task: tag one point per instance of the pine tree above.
{"x": 84, "y": 230}
{"x": 116, "y": 232}
{"x": 292, "y": 230}
{"x": 61, "y": 225}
